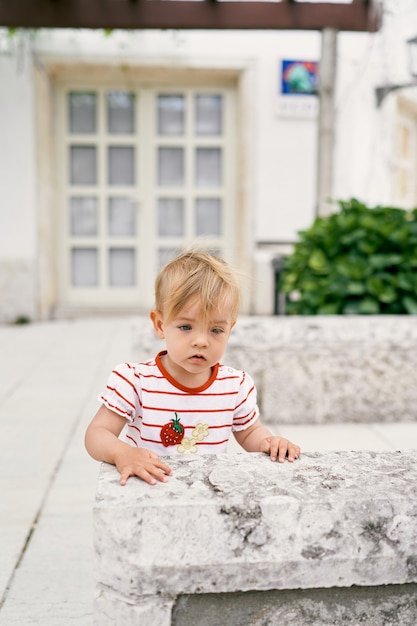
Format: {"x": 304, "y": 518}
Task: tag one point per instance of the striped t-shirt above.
{"x": 190, "y": 421}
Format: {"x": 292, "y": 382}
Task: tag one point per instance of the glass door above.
{"x": 144, "y": 174}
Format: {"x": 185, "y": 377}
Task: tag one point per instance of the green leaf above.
{"x": 318, "y": 261}
{"x": 375, "y": 285}
{"x": 368, "y": 306}
{"x": 405, "y": 281}
{"x": 381, "y": 261}
{"x": 351, "y": 307}
{"x": 331, "y": 308}
{"x": 356, "y": 288}
{"x": 353, "y": 236}
{"x": 388, "y": 295}
{"x": 410, "y": 305}
{"x": 368, "y": 246}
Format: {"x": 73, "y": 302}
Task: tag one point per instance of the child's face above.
{"x": 193, "y": 345}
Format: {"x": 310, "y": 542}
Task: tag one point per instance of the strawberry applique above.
{"x": 172, "y": 433}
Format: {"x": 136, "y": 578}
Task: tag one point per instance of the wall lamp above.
{"x": 381, "y": 92}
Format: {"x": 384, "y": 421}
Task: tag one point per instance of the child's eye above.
{"x": 184, "y": 327}
{"x": 217, "y": 331}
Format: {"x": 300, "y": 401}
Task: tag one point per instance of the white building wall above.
{"x": 282, "y": 181}
{"x": 284, "y": 149}
{"x": 18, "y": 243}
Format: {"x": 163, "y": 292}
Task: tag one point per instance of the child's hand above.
{"x": 281, "y": 448}
{"x": 142, "y": 463}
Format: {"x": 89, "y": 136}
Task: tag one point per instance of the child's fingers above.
{"x": 164, "y": 467}
{"x": 280, "y": 449}
{"x": 283, "y": 450}
{"x": 293, "y": 452}
{"x": 148, "y": 471}
{"x": 124, "y": 476}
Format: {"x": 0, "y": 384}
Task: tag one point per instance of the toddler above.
{"x": 184, "y": 401}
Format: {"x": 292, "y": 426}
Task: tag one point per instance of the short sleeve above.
{"x": 246, "y": 411}
{"x": 122, "y": 393}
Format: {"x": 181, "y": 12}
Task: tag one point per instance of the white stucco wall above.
{"x": 17, "y": 162}
{"x": 282, "y": 151}
{"x": 17, "y": 188}
{"x": 364, "y": 140}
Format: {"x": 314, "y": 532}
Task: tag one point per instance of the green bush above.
{"x": 356, "y": 261}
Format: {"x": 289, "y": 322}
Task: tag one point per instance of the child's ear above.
{"x": 157, "y": 322}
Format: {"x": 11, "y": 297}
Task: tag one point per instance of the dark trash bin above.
{"x": 279, "y": 296}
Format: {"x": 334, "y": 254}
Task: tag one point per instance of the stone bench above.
{"x": 320, "y": 369}
{"x": 232, "y": 540}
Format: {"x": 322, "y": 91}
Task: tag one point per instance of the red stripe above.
{"x": 135, "y": 427}
{"x": 248, "y": 420}
{"x": 109, "y": 405}
{"x": 151, "y": 440}
{"x": 242, "y": 417}
{"x": 206, "y": 395}
{"x": 210, "y": 443}
{"x": 247, "y": 396}
{"x": 131, "y": 439}
{"x": 129, "y": 383}
{"x": 149, "y": 425}
{"x": 197, "y": 443}
{"x": 227, "y": 377}
{"x": 157, "y": 408}
{"x": 120, "y": 396}
{"x": 149, "y": 375}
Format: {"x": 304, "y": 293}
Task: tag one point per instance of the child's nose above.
{"x": 200, "y": 339}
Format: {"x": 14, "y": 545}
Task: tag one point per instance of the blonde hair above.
{"x": 199, "y": 274}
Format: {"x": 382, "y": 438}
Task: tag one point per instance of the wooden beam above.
{"x": 189, "y": 14}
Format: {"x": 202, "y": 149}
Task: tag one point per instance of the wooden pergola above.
{"x": 358, "y": 15}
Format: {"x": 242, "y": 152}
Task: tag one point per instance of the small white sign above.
{"x": 298, "y": 106}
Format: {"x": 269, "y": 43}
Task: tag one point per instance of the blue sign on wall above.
{"x": 299, "y": 77}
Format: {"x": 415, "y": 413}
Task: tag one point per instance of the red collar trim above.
{"x": 178, "y": 385}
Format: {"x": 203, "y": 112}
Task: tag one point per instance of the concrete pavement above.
{"x": 50, "y": 375}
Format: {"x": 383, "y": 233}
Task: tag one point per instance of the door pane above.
{"x": 208, "y": 114}
{"x": 171, "y": 217}
{"x": 83, "y": 165}
{"x": 121, "y": 166}
{"x": 82, "y": 112}
{"x": 165, "y": 255}
{"x": 208, "y": 216}
{"x": 171, "y": 166}
{"x": 120, "y": 112}
{"x": 208, "y": 167}
{"x": 84, "y": 264}
{"x": 83, "y": 216}
{"x": 171, "y": 115}
{"x": 122, "y": 267}
{"x": 121, "y": 217}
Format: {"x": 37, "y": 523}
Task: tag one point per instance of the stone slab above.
{"x": 232, "y": 523}
{"x": 322, "y": 369}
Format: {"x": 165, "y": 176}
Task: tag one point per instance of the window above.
{"x": 143, "y": 173}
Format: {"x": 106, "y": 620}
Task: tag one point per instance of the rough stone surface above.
{"x": 394, "y": 605}
{"x": 233, "y": 523}
{"x": 113, "y": 609}
{"x": 322, "y": 369}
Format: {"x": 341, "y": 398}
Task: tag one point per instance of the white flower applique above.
{"x": 189, "y": 444}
